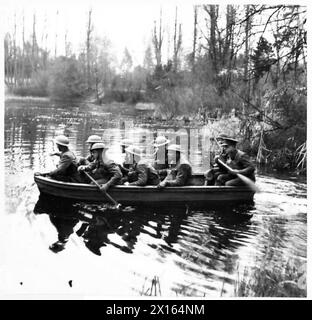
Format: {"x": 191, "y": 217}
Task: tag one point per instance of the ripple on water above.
{"x": 197, "y": 254}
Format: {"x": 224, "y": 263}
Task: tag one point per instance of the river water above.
{"x": 171, "y": 252}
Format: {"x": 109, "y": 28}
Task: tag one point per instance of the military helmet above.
{"x": 98, "y": 145}
{"x": 94, "y": 138}
{"x": 161, "y": 141}
{"x": 134, "y": 150}
{"x": 61, "y": 140}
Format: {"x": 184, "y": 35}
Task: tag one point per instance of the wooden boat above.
{"x": 195, "y": 194}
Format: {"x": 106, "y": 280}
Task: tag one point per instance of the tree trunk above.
{"x": 246, "y": 59}
{"x": 194, "y": 38}
{"x": 14, "y": 54}
{"x": 88, "y": 45}
{"x": 157, "y": 41}
{"x": 177, "y": 40}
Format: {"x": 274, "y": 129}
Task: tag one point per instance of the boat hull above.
{"x": 196, "y": 195}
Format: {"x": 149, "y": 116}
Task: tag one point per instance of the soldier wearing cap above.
{"x": 212, "y": 174}
{"x": 181, "y": 173}
{"x": 105, "y": 171}
{"x": 91, "y": 141}
{"x": 238, "y": 161}
{"x": 67, "y": 167}
{"x": 141, "y": 173}
{"x": 161, "y": 153}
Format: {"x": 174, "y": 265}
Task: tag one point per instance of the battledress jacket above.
{"x": 108, "y": 170}
{"x": 143, "y": 174}
{"x": 67, "y": 166}
{"x": 179, "y": 175}
{"x": 239, "y": 160}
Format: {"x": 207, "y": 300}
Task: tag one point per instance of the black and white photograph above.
{"x": 154, "y": 150}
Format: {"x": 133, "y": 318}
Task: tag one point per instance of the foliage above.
{"x": 286, "y": 280}
{"x": 66, "y": 81}
{"x": 232, "y": 69}
{"x": 262, "y": 58}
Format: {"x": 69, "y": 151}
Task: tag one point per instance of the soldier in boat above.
{"x": 161, "y": 153}
{"x": 91, "y": 141}
{"x": 237, "y": 160}
{"x": 181, "y": 173}
{"x": 125, "y": 165}
{"x": 105, "y": 171}
{"x": 141, "y": 172}
{"x": 67, "y": 167}
{"x": 212, "y": 174}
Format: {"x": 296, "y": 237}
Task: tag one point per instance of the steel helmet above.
{"x": 98, "y": 145}
{"x": 161, "y": 141}
{"x": 94, "y": 138}
{"x": 126, "y": 142}
{"x": 61, "y": 140}
{"x": 134, "y": 150}
{"x": 175, "y": 147}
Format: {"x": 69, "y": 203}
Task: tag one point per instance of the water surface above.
{"x": 166, "y": 252}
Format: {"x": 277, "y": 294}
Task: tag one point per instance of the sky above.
{"x": 125, "y": 23}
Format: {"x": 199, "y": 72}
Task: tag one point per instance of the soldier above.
{"x": 67, "y": 167}
{"x": 212, "y": 174}
{"x": 91, "y": 140}
{"x": 105, "y": 171}
{"x": 238, "y": 161}
{"x": 141, "y": 173}
{"x": 181, "y": 173}
{"x": 161, "y": 153}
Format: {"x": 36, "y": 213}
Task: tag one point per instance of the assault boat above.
{"x": 195, "y": 194}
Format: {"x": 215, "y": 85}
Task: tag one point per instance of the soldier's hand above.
{"x": 161, "y": 185}
{"x": 126, "y": 183}
{"x": 38, "y": 174}
{"x": 233, "y": 171}
{"x": 81, "y": 168}
{"x": 104, "y": 187}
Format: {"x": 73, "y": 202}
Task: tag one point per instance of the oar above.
{"x": 117, "y": 205}
{"x": 245, "y": 179}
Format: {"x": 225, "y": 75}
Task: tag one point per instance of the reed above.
{"x": 286, "y": 280}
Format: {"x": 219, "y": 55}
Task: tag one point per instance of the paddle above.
{"x": 118, "y": 205}
{"x": 245, "y": 179}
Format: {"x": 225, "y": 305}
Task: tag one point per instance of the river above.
{"x": 169, "y": 253}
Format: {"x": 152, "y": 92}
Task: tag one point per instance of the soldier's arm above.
{"x": 181, "y": 177}
{"x": 64, "y": 163}
{"x": 142, "y": 172}
{"x": 248, "y": 167}
{"x": 114, "y": 170}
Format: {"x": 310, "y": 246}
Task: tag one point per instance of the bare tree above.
{"x": 194, "y": 37}
{"x": 158, "y": 40}
{"x": 177, "y": 41}
{"x": 88, "y": 48}
{"x": 246, "y": 56}
{"x": 55, "y": 48}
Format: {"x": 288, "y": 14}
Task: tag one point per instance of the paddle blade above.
{"x": 248, "y": 182}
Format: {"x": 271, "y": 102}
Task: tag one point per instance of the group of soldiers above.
{"x": 138, "y": 171}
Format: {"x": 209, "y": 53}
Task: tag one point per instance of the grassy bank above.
{"x": 286, "y": 280}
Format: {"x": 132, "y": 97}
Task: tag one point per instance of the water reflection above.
{"x": 94, "y": 222}
{"x": 187, "y": 252}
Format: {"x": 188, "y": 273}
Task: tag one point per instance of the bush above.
{"x": 38, "y": 86}
{"x": 66, "y": 81}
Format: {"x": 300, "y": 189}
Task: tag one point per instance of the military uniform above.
{"x": 86, "y": 161}
{"x": 212, "y": 174}
{"x": 179, "y": 175}
{"x": 239, "y": 161}
{"x": 108, "y": 172}
{"x": 67, "y": 168}
{"x": 142, "y": 174}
